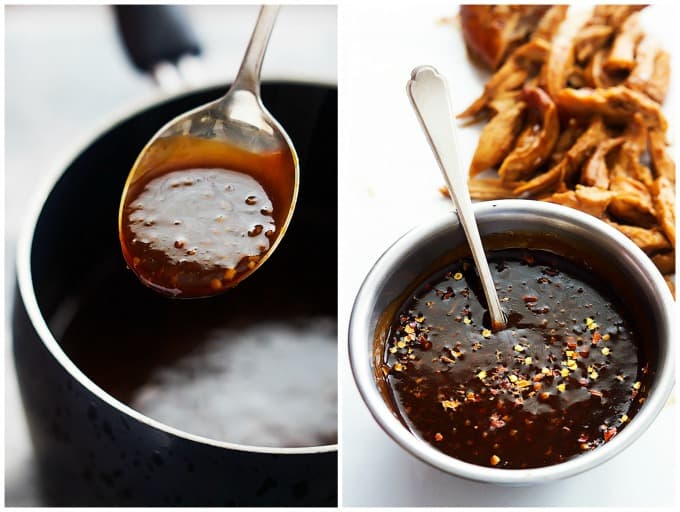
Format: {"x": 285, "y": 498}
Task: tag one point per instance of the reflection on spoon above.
{"x": 429, "y": 96}
{"x": 212, "y": 193}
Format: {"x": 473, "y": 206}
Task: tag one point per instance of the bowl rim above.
{"x": 25, "y": 279}
{"x": 361, "y": 364}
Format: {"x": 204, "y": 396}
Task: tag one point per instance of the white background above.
{"x": 389, "y": 182}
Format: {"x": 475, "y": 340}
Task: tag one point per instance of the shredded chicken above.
{"x": 550, "y": 22}
{"x": 622, "y": 54}
{"x": 665, "y": 262}
{"x": 670, "y": 281}
{"x": 536, "y": 141}
{"x": 591, "y": 200}
{"x": 590, "y": 40}
{"x": 632, "y": 202}
{"x": 571, "y": 130}
{"x": 661, "y": 161}
{"x": 497, "y": 138}
{"x": 595, "y": 172}
{"x": 584, "y": 146}
{"x": 561, "y": 56}
{"x": 649, "y": 240}
{"x": 658, "y": 84}
{"x": 635, "y": 136}
{"x": 574, "y": 118}
{"x": 651, "y": 73}
{"x": 614, "y": 15}
{"x": 664, "y": 203}
{"x": 488, "y": 189}
{"x": 595, "y": 74}
{"x": 493, "y": 31}
{"x": 616, "y": 104}
{"x": 626, "y": 162}
{"x": 523, "y": 63}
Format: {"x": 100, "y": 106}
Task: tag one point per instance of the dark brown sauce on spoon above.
{"x": 565, "y": 377}
{"x": 200, "y": 215}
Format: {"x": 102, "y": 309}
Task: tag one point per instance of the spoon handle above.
{"x": 429, "y": 96}
{"x": 248, "y": 77}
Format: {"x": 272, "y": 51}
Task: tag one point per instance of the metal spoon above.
{"x": 236, "y": 127}
{"x": 429, "y": 94}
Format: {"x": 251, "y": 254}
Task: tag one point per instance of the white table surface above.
{"x": 66, "y": 74}
{"x": 388, "y": 184}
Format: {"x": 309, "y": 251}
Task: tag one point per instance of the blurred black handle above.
{"x": 155, "y": 33}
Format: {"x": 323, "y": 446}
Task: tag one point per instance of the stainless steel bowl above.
{"x": 425, "y": 248}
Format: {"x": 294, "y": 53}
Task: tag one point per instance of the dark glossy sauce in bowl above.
{"x": 565, "y": 377}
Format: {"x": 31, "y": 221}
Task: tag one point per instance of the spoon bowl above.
{"x": 212, "y": 193}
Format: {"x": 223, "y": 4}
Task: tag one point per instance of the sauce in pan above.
{"x": 564, "y": 378}
{"x": 200, "y": 215}
{"x": 253, "y": 368}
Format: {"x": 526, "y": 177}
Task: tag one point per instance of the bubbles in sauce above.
{"x": 254, "y": 390}
{"x": 201, "y": 216}
{"x": 197, "y": 228}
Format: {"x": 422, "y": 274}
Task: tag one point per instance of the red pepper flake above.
{"x": 530, "y": 298}
{"x": 596, "y": 337}
{"x": 609, "y": 433}
{"x": 496, "y": 422}
{"x": 438, "y": 437}
{"x": 571, "y": 342}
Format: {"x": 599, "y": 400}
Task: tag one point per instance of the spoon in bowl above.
{"x": 429, "y": 95}
{"x": 212, "y": 193}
